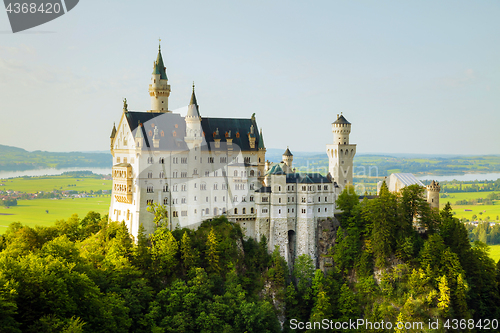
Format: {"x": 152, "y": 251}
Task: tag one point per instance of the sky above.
{"x": 411, "y": 76}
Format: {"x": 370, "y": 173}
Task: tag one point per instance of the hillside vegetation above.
{"x": 88, "y": 275}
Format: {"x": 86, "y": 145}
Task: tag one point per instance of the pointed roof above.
{"x": 193, "y": 106}
{"x": 287, "y": 152}
{"x": 159, "y": 67}
{"x": 261, "y": 141}
{"x": 341, "y": 120}
{"x": 193, "y": 98}
{"x": 113, "y": 132}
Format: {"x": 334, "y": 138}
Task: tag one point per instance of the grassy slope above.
{"x": 32, "y": 212}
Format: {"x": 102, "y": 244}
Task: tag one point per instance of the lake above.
{"x": 48, "y": 172}
{"x": 465, "y": 177}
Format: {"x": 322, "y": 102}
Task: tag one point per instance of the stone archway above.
{"x": 291, "y": 247}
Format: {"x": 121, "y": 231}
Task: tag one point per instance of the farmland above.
{"x": 481, "y": 211}
{"x": 51, "y": 183}
{"x": 495, "y": 252}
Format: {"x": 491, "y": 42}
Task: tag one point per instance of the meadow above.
{"x": 50, "y": 183}
{"x": 487, "y": 210}
{"x": 495, "y": 252}
{"x": 33, "y": 212}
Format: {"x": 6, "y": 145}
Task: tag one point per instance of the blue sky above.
{"x": 411, "y": 76}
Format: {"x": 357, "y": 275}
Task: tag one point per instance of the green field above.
{"x": 33, "y": 212}
{"x": 50, "y": 183}
{"x": 495, "y": 252}
{"x": 488, "y": 210}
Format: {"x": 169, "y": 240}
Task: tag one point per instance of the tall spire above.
{"x": 261, "y": 140}
{"x": 159, "y": 67}
{"x": 193, "y": 98}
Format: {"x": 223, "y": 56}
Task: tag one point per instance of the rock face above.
{"x": 326, "y": 234}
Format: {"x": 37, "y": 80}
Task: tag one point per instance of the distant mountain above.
{"x": 18, "y": 159}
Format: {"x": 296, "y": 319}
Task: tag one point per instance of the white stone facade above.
{"x": 200, "y": 168}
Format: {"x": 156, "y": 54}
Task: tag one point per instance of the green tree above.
{"x": 189, "y": 254}
{"x": 160, "y": 214}
{"x": 212, "y": 254}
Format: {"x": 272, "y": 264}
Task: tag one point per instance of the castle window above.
{"x": 326, "y": 199}
{"x": 174, "y": 174}
{"x": 161, "y": 175}
{"x": 216, "y": 174}
{"x": 161, "y": 160}
{"x": 319, "y": 210}
{"x": 150, "y": 160}
{"x": 325, "y": 187}
{"x": 149, "y": 201}
{"x": 215, "y": 186}
{"x": 303, "y": 188}
{"x": 293, "y": 210}
{"x": 210, "y": 160}
{"x": 251, "y": 210}
{"x": 247, "y": 159}
{"x": 224, "y": 186}
{"x": 223, "y": 198}
{"x": 235, "y": 159}
{"x": 195, "y": 211}
{"x": 252, "y": 186}
{"x": 243, "y": 199}
{"x": 279, "y": 211}
{"x": 206, "y": 210}
{"x": 279, "y": 200}
{"x": 236, "y": 211}
{"x": 183, "y": 187}
{"x": 264, "y": 210}
{"x": 203, "y": 187}
{"x": 215, "y": 199}
{"x": 288, "y": 210}
{"x": 288, "y": 199}
{"x": 303, "y": 199}
{"x": 236, "y": 173}
{"x": 265, "y": 199}
{"x": 195, "y": 171}
{"x": 184, "y": 174}
{"x": 175, "y": 160}
{"x": 207, "y": 173}
{"x": 223, "y": 159}
{"x": 293, "y": 199}
{"x": 319, "y": 199}
{"x": 244, "y": 211}
{"x": 165, "y": 201}
{"x": 124, "y": 160}
{"x": 175, "y": 213}
{"x": 223, "y": 173}
{"x": 319, "y": 187}
{"x": 235, "y": 198}
{"x": 293, "y": 188}
{"x": 223, "y": 210}
{"x": 326, "y": 209}
{"x": 184, "y": 160}
{"x": 174, "y": 188}
{"x": 194, "y": 198}
{"x": 251, "y": 198}
{"x": 183, "y": 200}
{"x": 215, "y": 211}
{"x": 252, "y": 173}
{"x": 150, "y": 175}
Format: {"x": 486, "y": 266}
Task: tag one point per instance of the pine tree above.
{"x": 444, "y": 296}
{"x": 212, "y": 252}
{"x": 189, "y": 254}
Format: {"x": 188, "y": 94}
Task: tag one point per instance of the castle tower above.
{"x": 159, "y": 89}
{"x": 341, "y": 153}
{"x": 287, "y": 158}
{"x": 193, "y": 124}
{"x": 433, "y": 194}
{"x": 261, "y": 155}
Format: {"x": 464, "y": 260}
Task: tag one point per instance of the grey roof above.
{"x": 307, "y": 178}
{"x": 341, "y": 120}
{"x": 236, "y": 128}
{"x": 287, "y": 152}
{"x": 266, "y": 189}
{"x": 276, "y": 169}
{"x": 408, "y": 179}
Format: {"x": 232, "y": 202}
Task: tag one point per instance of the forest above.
{"x": 89, "y": 275}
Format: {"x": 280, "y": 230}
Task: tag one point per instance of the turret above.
{"x": 288, "y": 159}
{"x": 193, "y": 123}
{"x": 433, "y": 194}
{"x": 159, "y": 89}
{"x": 341, "y": 129}
{"x": 341, "y": 153}
{"x": 113, "y": 134}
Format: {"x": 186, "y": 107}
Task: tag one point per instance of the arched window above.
{"x": 206, "y": 211}
{"x": 236, "y": 173}
{"x": 236, "y": 211}
{"x": 244, "y": 211}
{"x": 251, "y": 210}
{"x": 252, "y": 173}
{"x": 215, "y": 211}
{"x": 165, "y": 201}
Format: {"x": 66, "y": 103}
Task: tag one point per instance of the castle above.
{"x": 200, "y": 168}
